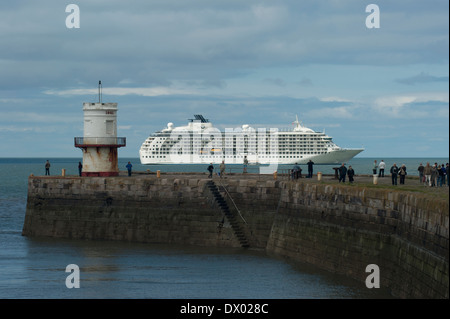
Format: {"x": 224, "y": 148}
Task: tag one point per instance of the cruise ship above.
{"x": 200, "y": 142}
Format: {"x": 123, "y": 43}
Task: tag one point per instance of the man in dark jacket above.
{"x": 342, "y": 173}
{"x": 47, "y": 168}
{"x": 80, "y": 168}
{"x": 421, "y": 176}
{"x": 350, "y": 174}
{"x": 129, "y": 166}
{"x": 210, "y": 169}
{"x": 394, "y": 174}
{"x": 310, "y": 168}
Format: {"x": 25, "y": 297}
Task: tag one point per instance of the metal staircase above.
{"x": 232, "y": 219}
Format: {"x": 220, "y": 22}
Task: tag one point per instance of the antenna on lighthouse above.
{"x": 99, "y": 91}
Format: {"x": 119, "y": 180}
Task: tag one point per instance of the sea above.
{"x": 35, "y": 268}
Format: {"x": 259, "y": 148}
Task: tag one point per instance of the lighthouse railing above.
{"x": 100, "y": 141}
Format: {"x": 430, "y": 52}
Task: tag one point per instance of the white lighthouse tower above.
{"x": 100, "y": 142}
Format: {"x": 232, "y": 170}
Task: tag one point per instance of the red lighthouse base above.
{"x": 99, "y": 174}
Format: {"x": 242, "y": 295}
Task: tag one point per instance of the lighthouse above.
{"x": 100, "y": 142}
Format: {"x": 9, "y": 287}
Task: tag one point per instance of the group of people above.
{"x": 47, "y": 168}
{"x": 434, "y": 175}
{"x": 80, "y": 168}
{"x": 344, "y": 171}
{"x": 296, "y": 171}
{"x": 395, "y": 171}
{"x": 380, "y": 167}
{"x": 222, "y": 169}
{"x": 431, "y": 175}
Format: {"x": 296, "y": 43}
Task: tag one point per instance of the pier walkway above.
{"x": 411, "y": 182}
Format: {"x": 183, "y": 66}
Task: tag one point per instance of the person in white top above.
{"x": 381, "y": 166}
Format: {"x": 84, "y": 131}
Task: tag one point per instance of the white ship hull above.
{"x": 200, "y": 143}
{"x": 333, "y": 157}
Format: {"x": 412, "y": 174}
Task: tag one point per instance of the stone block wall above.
{"x": 343, "y": 229}
{"x": 130, "y": 209}
{"x": 257, "y": 201}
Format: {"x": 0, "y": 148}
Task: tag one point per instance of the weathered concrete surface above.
{"x": 338, "y": 228}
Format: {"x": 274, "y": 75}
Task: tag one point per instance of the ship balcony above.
{"x": 84, "y": 142}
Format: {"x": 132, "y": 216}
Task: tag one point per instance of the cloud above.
{"x": 275, "y": 81}
{"x": 42, "y": 117}
{"x": 16, "y": 129}
{"x": 414, "y": 105}
{"x": 154, "y": 91}
{"x": 334, "y": 99}
{"x": 163, "y": 41}
{"x": 207, "y": 84}
{"x": 339, "y": 112}
{"x": 422, "y": 78}
{"x": 305, "y": 82}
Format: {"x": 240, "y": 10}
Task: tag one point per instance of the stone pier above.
{"x": 339, "y": 228}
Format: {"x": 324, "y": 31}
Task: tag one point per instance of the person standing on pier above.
{"x": 210, "y": 169}
{"x": 342, "y": 173}
{"x": 434, "y": 175}
{"x": 441, "y": 177}
{"x": 310, "y": 168}
{"x": 47, "y": 168}
{"x": 350, "y": 174}
{"x": 421, "y": 176}
{"x": 447, "y": 169}
{"x": 375, "y": 167}
{"x": 297, "y": 171}
{"x": 80, "y": 168}
{"x": 402, "y": 173}
{"x": 444, "y": 173}
{"x": 427, "y": 172}
{"x": 129, "y": 166}
{"x": 222, "y": 169}
{"x": 394, "y": 174}
{"x": 245, "y": 164}
{"x": 381, "y": 167}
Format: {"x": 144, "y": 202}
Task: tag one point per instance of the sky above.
{"x": 233, "y": 61}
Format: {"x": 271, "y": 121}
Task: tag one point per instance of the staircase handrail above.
{"x": 239, "y": 212}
